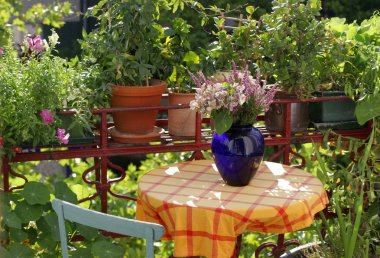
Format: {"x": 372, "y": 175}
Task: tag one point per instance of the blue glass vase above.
{"x": 238, "y": 153}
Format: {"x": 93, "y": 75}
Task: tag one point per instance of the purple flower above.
{"x": 1, "y": 51}
{"x": 47, "y": 116}
{"x": 62, "y": 137}
{"x": 35, "y": 44}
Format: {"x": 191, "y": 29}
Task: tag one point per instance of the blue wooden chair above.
{"x": 124, "y": 226}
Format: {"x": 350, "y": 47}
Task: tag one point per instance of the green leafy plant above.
{"x": 353, "y": 232}
{"x": 291, "y": 39}
{"x": 126, "y": 42}
{"x": 34, "y": 88}
{"x": 12, "y": 13}
{"x": 178, "y": 57}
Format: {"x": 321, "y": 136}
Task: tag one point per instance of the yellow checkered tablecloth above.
{"x": 203, "y": 215}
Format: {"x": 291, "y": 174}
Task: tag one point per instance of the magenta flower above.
{"x": 62, "y": 137}
{"x": 35, "y": 44}
{"x": 47, "y": 116}
{"x": 1, "y": 51}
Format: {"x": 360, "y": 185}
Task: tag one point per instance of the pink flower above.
{"x": 1, "y": 51}
{"x": 35, "y": 44}
{"x": 47, "y": 116}
{"x": 62, "y": 137}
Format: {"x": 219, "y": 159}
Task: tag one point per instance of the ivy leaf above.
{"x": 105, "y": 249}
{"x": 20, "y": 251}
{"x": 367, "y": 109}
{"x": 63, "y": 192}
{"x": 222, "y": 121}
{"x": 12, "y": 220}
{"x": 36, "y": 193}
{"x": 28, "y": 212}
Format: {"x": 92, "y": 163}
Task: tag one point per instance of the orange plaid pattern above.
{"x": 203, "y": 215}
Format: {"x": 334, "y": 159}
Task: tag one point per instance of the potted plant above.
{"x": 290, "y": 39}
{"x": 179, "y": 61}
{"x": 234, "y": 104}
{"x": 34, "y": 87}
{"x": 126, "y": 46}
{"x": 348, "y": 65}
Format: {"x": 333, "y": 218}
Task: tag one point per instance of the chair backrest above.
{"x": 124, "y": 226}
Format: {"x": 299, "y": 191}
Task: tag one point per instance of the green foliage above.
{"x": 126, "y": 42}
{"x": 353, "y": 233}
{"x": 12, "y": 13}
{"x": 179, "y": 59}
{"x": 290, "y": 41}
{"x": 38, "y": 81}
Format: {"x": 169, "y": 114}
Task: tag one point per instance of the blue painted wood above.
{"x": 67, "y": 211}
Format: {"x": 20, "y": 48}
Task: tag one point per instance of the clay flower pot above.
{"x": 141, "y": 122}
{"x": 181, "y": 122}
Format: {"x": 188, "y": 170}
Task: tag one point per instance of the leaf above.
{"x": 82, "y": 253}
{"x": 12, "y": 220}
{"x": 367, "y": 109}
{"x": 63, "y": 192}
{"x": 28, "y": 212}
{"x": 18, "y": 235}
{"x": 52, "y": 220}
{"x": 222, "y": 121}
{"x": 87, "y": 232}
{"x": 36, "y": 193}
{"x": 250, "y": 9}
{"x": 105, "y": 249}
{"x": 191, "y": 57}
{"x": 20, "y": 251}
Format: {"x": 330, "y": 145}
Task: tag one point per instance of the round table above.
{"x": 203, "y": 215}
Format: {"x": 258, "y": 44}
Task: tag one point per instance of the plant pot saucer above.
{"x": 153, "y": 136}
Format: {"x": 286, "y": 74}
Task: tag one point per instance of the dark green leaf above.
{"x": 28, "y": 212}
{"x": 87, "y": 232}
{"x": 82, "y": 253}
{"x": 12, "y": 220}
{"x": 36, "y": 193}
{"x": 106, "y": 249}
{"x": 18, "y": 235}
{"x": 52, "y": 220}
{"x": 367, "y": 109}
{"x": 20, "y": 251}
{"x": 63, "y": 192}
{"x": 222, "y": 121}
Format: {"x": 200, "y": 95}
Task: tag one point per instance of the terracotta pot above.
{"x": 275, "y": 116}
{"x": 142, "y": 121}
{"x": 181, "y": 122}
